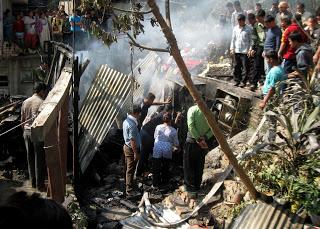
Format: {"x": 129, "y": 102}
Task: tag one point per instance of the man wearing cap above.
{"x": 240, "y": 45}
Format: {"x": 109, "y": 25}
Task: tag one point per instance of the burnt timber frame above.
{"x": 51, "y": 125}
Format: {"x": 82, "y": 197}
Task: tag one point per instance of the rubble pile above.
{"x": 9, "y": 118}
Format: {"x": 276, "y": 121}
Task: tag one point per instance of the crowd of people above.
{"x": 31, "y": 30}
{"x": 293, "y": 37}
{"x": 156, "y": 137}
{"x": 268, "y": 46}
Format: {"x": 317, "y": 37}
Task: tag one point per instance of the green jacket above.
{"x": 258, "y": 35}
{"x": 197, "y": 124}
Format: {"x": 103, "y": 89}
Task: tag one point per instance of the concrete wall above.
{"x": 18, "y": 70}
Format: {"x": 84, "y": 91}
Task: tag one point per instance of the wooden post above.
{"x": 54, "y": 165}
{"x": 175, "y": 52}
{"x": 76, "y": 79}
{"x": 63, "y": 139}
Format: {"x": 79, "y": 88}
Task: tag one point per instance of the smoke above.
{"x": 195, "y": 26}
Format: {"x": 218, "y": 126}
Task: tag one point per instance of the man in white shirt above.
{"x": 240, "y": 45}
{"x": 35, "y": 150}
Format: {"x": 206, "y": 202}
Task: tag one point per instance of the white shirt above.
{"x": 241, "y": 39}
{"x": 133, "y": 119}
{"x": 28, "y": 24}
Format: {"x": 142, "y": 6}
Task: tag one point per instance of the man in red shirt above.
{"x": 286, "y": 51}
{"x": 18, "y": 27}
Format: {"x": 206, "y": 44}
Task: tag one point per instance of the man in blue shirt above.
{"x": 275, "y": 75}
{"x": 75, "y": 22}
{"x": 273, "y": 38}
{"x": 131, "y": 147}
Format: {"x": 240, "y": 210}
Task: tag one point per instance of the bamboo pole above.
{"x": 175, "y": 52}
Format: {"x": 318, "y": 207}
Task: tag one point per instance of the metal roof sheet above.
{"x": 265, "y": 216}
{"x": 103, "y": 102}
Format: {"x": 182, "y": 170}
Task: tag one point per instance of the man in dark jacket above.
{"x": 303, "y": 55}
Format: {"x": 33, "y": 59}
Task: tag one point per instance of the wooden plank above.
{"x": 53, "y": 164}
{"x": 51, "y": 106}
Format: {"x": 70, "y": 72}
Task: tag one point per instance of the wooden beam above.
{"x": 51, "y": 107}
{"x": 56, "y": 181}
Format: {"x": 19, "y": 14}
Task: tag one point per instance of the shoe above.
{"x": 236, "y": 84}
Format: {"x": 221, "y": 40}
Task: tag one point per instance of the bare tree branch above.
{"x": 134, "y": 43}
{"x": 131, "y": 11}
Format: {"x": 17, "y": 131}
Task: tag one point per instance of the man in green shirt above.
{"x": 196, "y": 146}
{"x": 257, "y": 48}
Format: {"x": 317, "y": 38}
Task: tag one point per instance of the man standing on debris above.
{"x": 286, "y": 51}
{"x": 240, "y": 45}
{"x": 198, "y": 138}
{"x": 131, "y": 147}
{"x": 256, "y": 50}
{"x": 147, "y": 103}
{"x": 275, "y": 75}
{"x": 35, "y": 150}
{"x": 273, "y": 38}
{"x": 166, "y": 141}
{"x": 303, "y": 56}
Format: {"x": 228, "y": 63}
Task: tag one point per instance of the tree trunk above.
{"x": 175, "y": 52}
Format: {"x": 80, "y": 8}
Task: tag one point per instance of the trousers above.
{"x": 36, "y": 160}
{"x": 193, "y": 164}
{"x": 241, "y": 64}
{"x": 129, "y": 168}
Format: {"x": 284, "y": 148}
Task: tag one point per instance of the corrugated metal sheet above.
{"x": 105, "y": 98}
{"x": 265, "y": 216}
